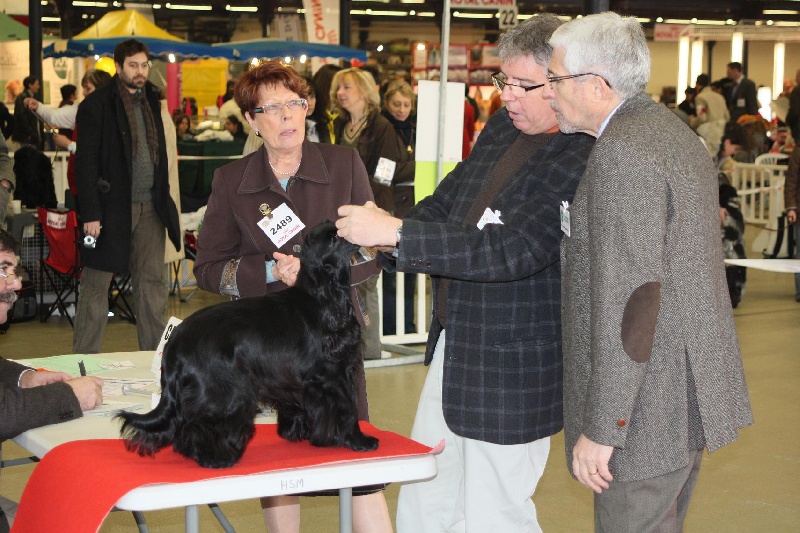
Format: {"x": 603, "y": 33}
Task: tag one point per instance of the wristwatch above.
{"x": 398, "y": 233}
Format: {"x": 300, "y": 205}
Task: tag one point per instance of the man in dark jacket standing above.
{"x": 123, "y": 199}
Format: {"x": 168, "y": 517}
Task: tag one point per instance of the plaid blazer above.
{"x": 503, "y": 370}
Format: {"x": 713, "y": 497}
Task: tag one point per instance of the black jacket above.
{"x": 105, "y": 153}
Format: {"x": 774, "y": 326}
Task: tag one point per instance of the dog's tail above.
{"x": 149, "y": 432}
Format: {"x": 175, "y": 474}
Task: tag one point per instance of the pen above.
{"x": 81, "y": 367}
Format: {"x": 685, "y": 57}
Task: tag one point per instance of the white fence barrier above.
{"x": 761, "y": 192}
{"x": 422, "y": 314}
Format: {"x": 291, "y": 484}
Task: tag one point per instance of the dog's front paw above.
{"x": 361, "y": 443}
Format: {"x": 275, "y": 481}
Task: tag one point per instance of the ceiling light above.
{"x": 51, "y": 19}
{"x": 188, "y": 7}
{"x": 379, "y": 48}
{"x": 420, "y": 46}
{"x": 80, "y": 3}
{"x": 781, "y": 12}
{"x": 243, "y": 9}
{"x": 659, "y": 19}
{"x": 473, "y": 15}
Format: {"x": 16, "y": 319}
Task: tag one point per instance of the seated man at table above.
{"x": 28, "y": 398}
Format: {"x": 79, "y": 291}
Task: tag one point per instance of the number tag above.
{"x": 282, "y": 225}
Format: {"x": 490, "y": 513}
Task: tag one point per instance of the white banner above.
{"x": 322, "y": 21}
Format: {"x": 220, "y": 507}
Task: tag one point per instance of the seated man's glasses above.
{"x": 519, "y": 91}
{"x": 8, "y": 278}
{"x": 276, "y": 109}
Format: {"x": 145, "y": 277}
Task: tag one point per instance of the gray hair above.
{"x": 529, "y": 39}
{"x": 608, "y": 45}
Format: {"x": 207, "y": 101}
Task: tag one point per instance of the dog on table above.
{"x": 295, "y": 350}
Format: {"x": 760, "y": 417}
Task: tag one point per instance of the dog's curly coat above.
{"x": 295, "y": 350}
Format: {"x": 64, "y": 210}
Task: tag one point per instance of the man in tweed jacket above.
{"x": 493, "y": 391}
{"x": 652, "y": 368}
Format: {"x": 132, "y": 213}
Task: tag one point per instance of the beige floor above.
{"x": 752, "y": 485}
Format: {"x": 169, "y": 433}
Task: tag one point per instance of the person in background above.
{"x": 123, "y": 200}
{"x": 228, "y": 95}
{"x": 742, "y": 100}
{"x": 360, "y": 125}
{"x": 231, "y": 108}
{"x": 8, "y": 179}
{"x": 791, "y": 199}
{"x": 6, "y": 121}
{"x": 30, "y": 398}
{"x": 324, "y": 113}
{"x": 399, "y": 110}
{"x": 182, "y": 125}
{"x": 237, "y": 257}
{"x": 648, "y": 329}
{"x": 64, "y": 118}
{"x": 69, "y": 95}
{"x": 793, "y": 115}
{"x": 235, "y": 128}
{"x": 688, "y": 105}
{"x": 27, "y": 127}
{"x": 489, "y": 237}
{"x": 312, "y": 127}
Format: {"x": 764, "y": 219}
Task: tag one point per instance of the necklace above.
{"x": 290, "y": 173}
{"x": 354, "y": 127}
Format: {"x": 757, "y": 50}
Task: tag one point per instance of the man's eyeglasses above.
{"x": 276, "y": 109}
{"x": 8, "y": 278}
{"x": 555, "y": 79}
{"x": 520, "y": 91}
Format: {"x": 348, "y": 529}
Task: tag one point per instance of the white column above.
{"x": 683, "y": 67}
{"x": 779, "y": 56}
{"x": 697, "y": 60}
{"x": 737, "y": 46}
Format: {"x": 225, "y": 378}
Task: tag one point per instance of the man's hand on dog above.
{"x": 368, "y": 225}
{"x": 285, "y": 268}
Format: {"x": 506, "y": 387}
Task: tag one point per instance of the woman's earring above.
{"x": 258, "y": 134}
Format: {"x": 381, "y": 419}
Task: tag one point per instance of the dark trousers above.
{"x": 656, "y": 505}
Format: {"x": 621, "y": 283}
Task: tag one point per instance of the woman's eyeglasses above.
{"x": 275, "y": 109}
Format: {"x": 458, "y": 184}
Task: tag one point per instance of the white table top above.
{"x": 291, "y": 481}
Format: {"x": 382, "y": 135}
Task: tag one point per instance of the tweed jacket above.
{"x": 502, "y": 369}
{"x": 791, "y": 190}
{"x": 329, "y": 176}
{"x": 24, "y": 409}
{"x": 651, "y": 360}
{"x": 104, "y": 153}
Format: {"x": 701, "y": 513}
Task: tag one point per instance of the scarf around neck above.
{"x": 129, "y": 100}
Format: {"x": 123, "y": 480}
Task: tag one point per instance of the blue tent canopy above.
{"x": 241, "y": 51}
{"x": 245, "y": 50}
{"x": 159, "y": 48}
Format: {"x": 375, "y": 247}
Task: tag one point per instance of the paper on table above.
{"x": 69, "y": 363}
{"x": 112, "y": 407}
{"x": 113, "y": 386}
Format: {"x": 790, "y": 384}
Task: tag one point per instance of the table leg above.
{"x": 346, "y": 510}
{"x": 192, "y": 519}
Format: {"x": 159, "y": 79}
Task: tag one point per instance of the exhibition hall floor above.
{"x": 751, "y": 485}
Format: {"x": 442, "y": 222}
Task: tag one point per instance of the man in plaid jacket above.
{"x": 489, "y": 237}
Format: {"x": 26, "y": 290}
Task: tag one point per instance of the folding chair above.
{"x": 190, "y": 251}
{"x": 62, "y": 266}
